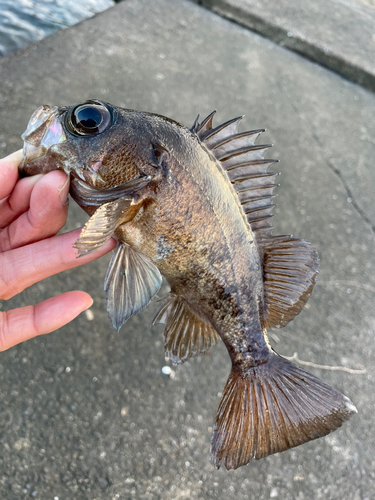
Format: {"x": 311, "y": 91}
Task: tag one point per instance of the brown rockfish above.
{"x": 194, "y": 205}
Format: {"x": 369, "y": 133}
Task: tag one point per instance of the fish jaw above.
{"x": 43, "y": 132}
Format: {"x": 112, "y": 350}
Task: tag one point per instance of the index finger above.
{"x": 9, "y": 173}
{"x": 24, "y": 266}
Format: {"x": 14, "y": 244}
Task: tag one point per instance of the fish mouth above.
{"x": 43, "y": 131}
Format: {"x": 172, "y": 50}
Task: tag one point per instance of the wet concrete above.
{"x": 87, "y": 413}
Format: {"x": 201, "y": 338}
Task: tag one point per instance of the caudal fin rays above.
{"x": 273, "y": 407}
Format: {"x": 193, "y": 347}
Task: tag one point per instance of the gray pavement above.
{"x": 340, "y": 34}
{"x": 86, "y": 413}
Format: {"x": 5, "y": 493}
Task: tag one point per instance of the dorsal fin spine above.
{"x": 258, "y": 201}
{"x": 223, "y": 126}
{"x": 236, "y": 141}
{"x": 240, "y": 151}
{"x": 237, "y": 185}
{"x": 195, "y": 126}
{"x": 258, "y": 219}
{"x": 205, "y": 126}
{"x": 234, "y": 154}
{"x": 260, "y": 162}
{"x": 256, "y": 210}
{"x": 249, "y": 176}
{"x": 238, "y": 137}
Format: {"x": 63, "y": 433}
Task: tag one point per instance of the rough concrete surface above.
{"x": 337, "y": 33}
{"x": 86, "y": 413}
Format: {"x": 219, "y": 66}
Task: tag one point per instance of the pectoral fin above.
{"x": 131, "y": 282}
{"x": 101, "y": 226}
{"x": 186, "y": 334}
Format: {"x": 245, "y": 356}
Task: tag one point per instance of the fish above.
{"x": 194, "y": 206}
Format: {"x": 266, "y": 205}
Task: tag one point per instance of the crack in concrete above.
{"x": 338, "y": 174}
{"x": 344, "y": 183}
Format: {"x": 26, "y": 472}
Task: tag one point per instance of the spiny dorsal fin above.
{"x": 201, "y": 128}
{"x": 246, "y": 168}
{"x": 238, "y": 142}
{"x": 186, "y": 334}
{"x": 290, "y": 269}
{"x": 290, "y": 266}
{"x": 216, "y": 136}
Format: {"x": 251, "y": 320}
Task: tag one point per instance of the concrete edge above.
{"x": 281, "y": 36}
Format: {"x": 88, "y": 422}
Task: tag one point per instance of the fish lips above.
{"x": 43, "y": 131}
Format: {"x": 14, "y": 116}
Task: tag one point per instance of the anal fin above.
{"x": 131, "y": 282}
{"x": 186, "y": 334}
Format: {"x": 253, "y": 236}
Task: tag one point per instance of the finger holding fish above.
{"x": 18, "y": 202}
{"x": 32, "y": 211}
{"x": 24, "y": 266}
{"x": 46, "y": 213}
{"x": 9, "y": 173}
{"x": 14, "y": 192}
{"x": 42, "y": 198}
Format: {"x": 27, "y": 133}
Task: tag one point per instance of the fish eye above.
{"x": 89, "y": 119}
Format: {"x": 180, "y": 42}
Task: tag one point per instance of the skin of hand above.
{"x": 32, "y": 212}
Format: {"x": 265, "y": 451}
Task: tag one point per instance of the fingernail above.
{"x": 13, "y": 159}
{"x": 64, "y": 191}
{"x": 88, "y": 307}
{"x": 33, "y": 179}
{"x": 16, "y": 155}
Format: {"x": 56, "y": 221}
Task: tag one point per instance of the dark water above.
{"x": 25, "y": 21}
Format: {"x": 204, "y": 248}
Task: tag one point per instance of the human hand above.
{"x": 32, "y": 211}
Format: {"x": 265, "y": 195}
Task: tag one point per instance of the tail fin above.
{"x": 271, "y": 408}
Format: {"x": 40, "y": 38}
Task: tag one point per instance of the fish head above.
{"x": 103, "y": 145}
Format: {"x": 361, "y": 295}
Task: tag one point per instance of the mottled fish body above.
{"x": 195, "y": 207}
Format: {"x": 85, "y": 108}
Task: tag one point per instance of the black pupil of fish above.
{"x": 88, "y": 117}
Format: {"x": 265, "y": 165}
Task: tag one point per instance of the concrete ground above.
{"x": 339, "y": 34}
{"x": 86, "y": 413}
